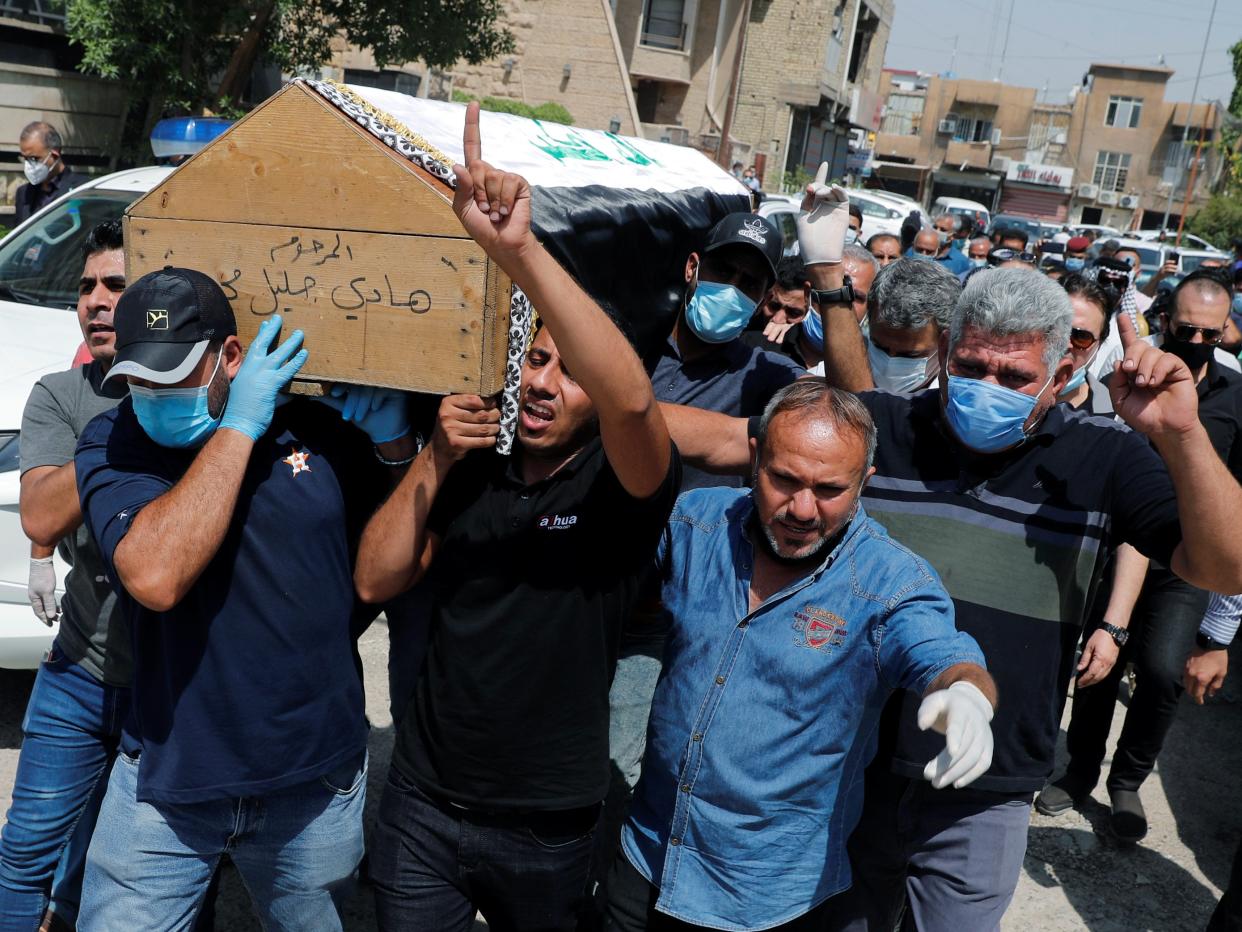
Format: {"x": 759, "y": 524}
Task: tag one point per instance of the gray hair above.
{"x": 1005, "y": 302}
{"x": 911, "y": 293}
{"x": 45, "y": 131}
{"x": 816, "y": 398}
{"x": 956, "y": 218}
{"x": 862, "y": 255}
{"x": 985, "y": 240}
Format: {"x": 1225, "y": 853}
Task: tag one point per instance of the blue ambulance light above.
{"x": 185, "y": 135}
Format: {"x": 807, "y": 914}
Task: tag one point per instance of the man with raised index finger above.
{"x": 501, "y": 762}
{"x": 226, "y": 521}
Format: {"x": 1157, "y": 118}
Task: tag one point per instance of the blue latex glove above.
{"x": 256, "y": 387}
{"x": 379, "y": 412}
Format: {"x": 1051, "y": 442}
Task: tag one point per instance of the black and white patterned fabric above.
{"x": 521, "y": 322}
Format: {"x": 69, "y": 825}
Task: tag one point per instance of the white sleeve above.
{"x": 1220, "y": 621}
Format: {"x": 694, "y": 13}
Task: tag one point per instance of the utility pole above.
{"x": 1005, "y": 46}
{"x": 953, "y": 57}
{"x": 1194, "y": 95}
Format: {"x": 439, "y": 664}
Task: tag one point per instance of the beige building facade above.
{"x": 1111, "y": 155}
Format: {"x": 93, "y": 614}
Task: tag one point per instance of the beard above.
{"x": 809, "y": 553}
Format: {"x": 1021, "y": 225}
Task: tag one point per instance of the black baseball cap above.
{"x": 746, "y": 229}
{"x": 164, "y": 323}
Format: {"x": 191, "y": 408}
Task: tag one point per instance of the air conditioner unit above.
{"x": 1000, "y": 163}
{"x": 1059, "y": 139}
{"x": 858, "y": 138}
{"x": 1088, "y": 192}
{"x": 996, "y": 136}
{"x": 1128, "y": 201}
{"x": 677, "y": 135}
{"x": 1108, "y": 198}
{"x": 946, "y": 126}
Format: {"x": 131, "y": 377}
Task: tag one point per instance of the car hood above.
{"x": 37, "y": 340}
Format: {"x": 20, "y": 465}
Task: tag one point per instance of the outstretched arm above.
{"x": 494, "y": 207}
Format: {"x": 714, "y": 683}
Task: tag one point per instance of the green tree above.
{"x": 1219, "y": 220}
{"x": 550, "y": 112}
{"x": 186, "y": 56}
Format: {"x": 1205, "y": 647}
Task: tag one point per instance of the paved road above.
{"x": 1074, "y": 877}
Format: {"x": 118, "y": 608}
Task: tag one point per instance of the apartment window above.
{"x": 664, "y": 24}
{"x": 972, "y": 129}
{"x": 1123, "y": 112}
{"x": 1111, "y": 170}
{"x": 903, "y": 114}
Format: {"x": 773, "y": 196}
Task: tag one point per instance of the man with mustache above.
{"x": 501, "y": 762}
{"x": 792, "y": 618}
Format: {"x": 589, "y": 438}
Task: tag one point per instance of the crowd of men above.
{"x": 800, "y": 590}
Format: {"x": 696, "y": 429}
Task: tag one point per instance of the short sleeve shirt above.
{"x": 1019, "y": 539}
{"x": 532, "y": 584}
{"x": 92, "y": 632}
{"x": 248, "y": 684}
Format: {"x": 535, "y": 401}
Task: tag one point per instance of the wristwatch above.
{"x": 843, "y": 295}
{"x": 1207, "y": 642}
{"x": 1119, "y": 635}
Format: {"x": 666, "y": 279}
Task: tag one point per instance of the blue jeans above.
{"x": 70, "y": 735}
{"x": 297, "y": 851}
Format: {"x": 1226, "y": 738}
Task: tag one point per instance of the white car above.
{"x": 1189, "y": 240}
{"x": 782, "y": 210}
{"x": 883, "y": 213}
{"x": 40, "y": 263}
{"x": 971, "y": 210}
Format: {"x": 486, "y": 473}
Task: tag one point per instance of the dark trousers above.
{"x": 433, "y": 865}
{"x": 632, "y": 898}
{"x": 1228, "y": 914}
{"x": 1162, "y": 635}
{"x": 949, "y": 860}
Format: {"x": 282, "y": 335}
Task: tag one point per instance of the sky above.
{"x": 1052, "y": 42}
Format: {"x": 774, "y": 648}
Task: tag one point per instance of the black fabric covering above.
{"x": 628, "y": 248}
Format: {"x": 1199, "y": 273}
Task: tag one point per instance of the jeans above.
{"x": 632, "y": 898}
{"x": 1162, "y": 628}
{"x": 70, "y": 735}
{"x": 952, "y": 856}
{"x": 434, "y": 864}
{"x": 296, "y": 849}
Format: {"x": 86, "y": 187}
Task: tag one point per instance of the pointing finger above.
{"x": 1125, "y": 329}
{"x": 821, "y": 176}
{"x": 471, "y": 142}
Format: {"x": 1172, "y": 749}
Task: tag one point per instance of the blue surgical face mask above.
{"x": 1080, "y": 375}
{"x": 987, "y": 417}
{"x": 813, "y": 329}
{"x": 718, "y": 313}
{"x": 980, "y": 263}
{"x": 899, "y": 374}
{"x": 1074, "y": 264}
{"x": 176, "y": 417}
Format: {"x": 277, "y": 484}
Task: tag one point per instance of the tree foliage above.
{"x": 550, "y": 112}
{"x": 1219, "y": 220}
{"x": 189, "y": 55}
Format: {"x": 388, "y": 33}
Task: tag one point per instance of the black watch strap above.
{"x": 1207, "y": 642}
{"x": 1119, "y": 635}
{"x": 843, "y": 295}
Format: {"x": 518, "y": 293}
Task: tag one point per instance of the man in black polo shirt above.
{"x": 502, "y": 761}
{"x": 1164, "y": 625}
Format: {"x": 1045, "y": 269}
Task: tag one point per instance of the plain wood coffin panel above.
{"x": 421, "y": 313}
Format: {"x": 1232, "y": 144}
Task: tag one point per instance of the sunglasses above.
{"x": 1082, "y": 339}
{"x": 997, "y": 256}
{"x": 1184, "y": 333}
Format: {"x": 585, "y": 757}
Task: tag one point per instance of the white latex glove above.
{"x": 824, "y": 220}
{"x": 42, "y": 589}
{"x": 961, "y": 713}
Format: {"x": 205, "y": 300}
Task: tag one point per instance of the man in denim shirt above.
{"x": 765, "y": 714}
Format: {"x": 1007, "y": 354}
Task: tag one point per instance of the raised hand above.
{"x": 823, "y": 221}
{"x": 465, "y": 423}
{"x": 1152, "y": 391}
{"x": 264, "y": 372}
{"x": 492, "y": 205}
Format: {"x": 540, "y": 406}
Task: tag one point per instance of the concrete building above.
{"x": 1112, "y": 154}
{"x": 39, "y": 81}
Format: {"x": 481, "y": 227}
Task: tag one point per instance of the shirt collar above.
{"x": 513, "y": 467}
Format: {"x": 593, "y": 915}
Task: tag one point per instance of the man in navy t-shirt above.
{"x": 227, "y": 524}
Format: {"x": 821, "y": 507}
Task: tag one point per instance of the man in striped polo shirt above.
{"x": 1016, "y": 501}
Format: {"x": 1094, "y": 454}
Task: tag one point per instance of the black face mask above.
{"x": 1194, "y": 355}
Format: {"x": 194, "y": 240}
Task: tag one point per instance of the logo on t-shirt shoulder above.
{"x": 297, "y": 460}
{"x": 818, "y": 628}
{"x": 557, "y": 522}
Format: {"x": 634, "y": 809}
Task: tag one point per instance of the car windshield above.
{"x": 42, "y": 264}
{"x": 1031, "y": 227}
